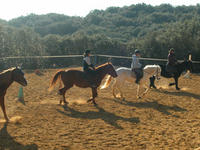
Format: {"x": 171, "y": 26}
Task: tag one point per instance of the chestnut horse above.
{"x": 7, "y": 77}
{"x": 76, "y": 77}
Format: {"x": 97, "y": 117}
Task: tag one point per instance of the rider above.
{"x": 89, "y": 68}
{"x": 136, "y": 66}
{"x": 171, "y": 66}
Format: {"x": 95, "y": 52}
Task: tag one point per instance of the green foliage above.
{"x": 115, "y": 31}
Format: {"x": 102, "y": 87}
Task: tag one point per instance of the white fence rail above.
{"x": 98, "y": 55}
{"x": 151, "y": 59}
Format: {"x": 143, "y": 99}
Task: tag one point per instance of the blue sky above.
{"x": 10, "y": 9}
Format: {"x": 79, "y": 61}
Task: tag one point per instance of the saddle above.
{"x": 90, "y": 78}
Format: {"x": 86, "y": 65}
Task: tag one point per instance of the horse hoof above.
{"x": 154, "y": 87}
{"x": 66, "y": 103}
{"x": 89, "y": 100}
{"x": 177, "y": 88}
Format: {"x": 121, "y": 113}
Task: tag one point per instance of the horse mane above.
{"x": 151, "y": 66}
{"x": 100, "y": 66}
{"x": 9, "y": 69}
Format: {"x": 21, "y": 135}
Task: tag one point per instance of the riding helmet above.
{"x": 137, "y": 51}
{"x": 171, "y": 50}
{"x": 87, "y": 51}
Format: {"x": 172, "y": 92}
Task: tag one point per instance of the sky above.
{"x": 10, "y": 9}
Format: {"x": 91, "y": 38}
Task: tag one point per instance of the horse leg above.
{"x": 176, "y": 82}
{"x": 3, "y": 108}
{"x": 145, "y": 92}
{"x": 121, "y": 94}
{"x": 170, "y": 84}
{"x": 138, "y": 90}
{"x": 152, "y": 82}
{"x": 94, "y": 95}
{"x": 114, "y": 89}
{"x": 62, "y": 92}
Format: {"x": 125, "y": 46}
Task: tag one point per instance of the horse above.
{"x": 126, "y": 74}
{"x": 76, "y": 77}
{"x": 185, "y": 65}
{"x": 7, "y": 77}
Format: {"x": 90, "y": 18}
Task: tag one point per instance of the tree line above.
{"x": 116, "y": 30}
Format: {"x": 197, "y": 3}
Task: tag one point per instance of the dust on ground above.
{"x": 163, "y": 119}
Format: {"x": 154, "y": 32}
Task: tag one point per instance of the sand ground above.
{"x": 163, "y": 119}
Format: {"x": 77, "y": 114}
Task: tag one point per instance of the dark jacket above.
{"x": 86, "y": 66}
{"x": 172, "y": 59}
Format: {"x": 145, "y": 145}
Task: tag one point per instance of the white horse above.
{"x": 126, "y": 74}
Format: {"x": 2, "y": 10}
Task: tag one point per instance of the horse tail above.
{"x": 56, "y": 77}
{"x": 107, "y": 83}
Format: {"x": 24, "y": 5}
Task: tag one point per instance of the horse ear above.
{"x": 109, "y": 60}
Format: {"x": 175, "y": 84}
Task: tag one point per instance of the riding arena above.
{"x": 163, "y": 118}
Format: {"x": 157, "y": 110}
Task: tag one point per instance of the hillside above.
{"x": 116, "y": 31}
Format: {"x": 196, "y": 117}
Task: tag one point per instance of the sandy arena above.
{"x": 163, "y": 119}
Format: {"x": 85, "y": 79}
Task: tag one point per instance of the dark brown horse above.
{"x": 76, "y": 77}
{"x": 7, "y": 77}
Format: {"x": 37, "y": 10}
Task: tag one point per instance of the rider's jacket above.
{"x": 171, "y": 59}
{"x": 135, "y": 62}
{"x": 87, "y": 64}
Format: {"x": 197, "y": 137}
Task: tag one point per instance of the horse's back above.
{"x": 73, "y": 74}
{"x": 124, "y": 73}
{"x": 123, "y": 70}
{"x": 73, "y": 71}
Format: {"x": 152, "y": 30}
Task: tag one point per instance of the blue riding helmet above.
{"x": 137, "y": 51}
{"x": 87, "y": 51}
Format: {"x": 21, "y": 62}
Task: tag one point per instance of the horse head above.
{"x": 153, "y": 70}
{"x": 111, "y": 70}
{"x": 18, "y": 76}
{"x": 188, "y": 65}
{"x": 158, "y": 72}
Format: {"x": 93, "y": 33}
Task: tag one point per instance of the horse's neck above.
{"x": 101, "y": 73}
{"x": 5, "y": 80}
{"x": 181, "y": 67}
{"x": 149, "y": 72}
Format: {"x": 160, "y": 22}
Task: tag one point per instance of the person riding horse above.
{"x": 88, "y": 68}
{"x": 136, "y": 66}
{"x": 172, "y": 62}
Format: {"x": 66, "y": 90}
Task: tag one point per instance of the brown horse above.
{"x": 76, "y": 77}
{"x": 7, "y": 77}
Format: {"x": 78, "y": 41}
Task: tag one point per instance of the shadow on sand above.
{"x": 181, "y": 93}
{"x": 7, "y": 142}
{"x": 154, "y": 105}
{"x": 107, "y": 117}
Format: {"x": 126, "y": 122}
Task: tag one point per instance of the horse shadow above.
{"x": 164, "y": 109}
{"x": 107, "y": 117}
{"x": 8, "y": 142}
{"x": 181, "y": 93}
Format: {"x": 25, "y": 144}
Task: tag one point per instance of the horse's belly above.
{"x": 82, "y": 84}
